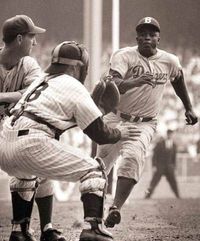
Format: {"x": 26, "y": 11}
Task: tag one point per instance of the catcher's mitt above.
{"x": 106, "y": 95}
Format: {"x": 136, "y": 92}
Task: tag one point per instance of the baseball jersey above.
{"x": 19, "y": 77}
{"x": 144, "y": 101}
{"x": 62, "y": 101}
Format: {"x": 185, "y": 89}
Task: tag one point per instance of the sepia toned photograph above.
{"x": 99, "y": 120}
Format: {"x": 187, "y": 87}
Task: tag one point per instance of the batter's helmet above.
{"x": 148, "y": 21}
{"x": 69, "y": 53}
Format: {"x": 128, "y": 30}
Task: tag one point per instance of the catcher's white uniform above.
{"x": 143, "y": 102}
{"x": 28, "y": 148}
{"x": 18, "y": 79}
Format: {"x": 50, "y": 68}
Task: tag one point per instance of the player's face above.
{"x": 28, "y": 42}
{"x": 148, "y": 39}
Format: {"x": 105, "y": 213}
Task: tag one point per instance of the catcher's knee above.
{"x": 46, "y": 188}
{"x": 26, "y": 188}
{"x": 94, "y": 181}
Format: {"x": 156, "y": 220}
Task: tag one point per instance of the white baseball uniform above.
{"x": 63, "y": 102}
{"x": 18, "y": 79}
{"x": 143, "y": 102}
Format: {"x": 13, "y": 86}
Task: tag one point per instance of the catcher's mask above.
{"x": 69, "y": 53}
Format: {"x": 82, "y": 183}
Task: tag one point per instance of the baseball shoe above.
{"x": 52, "y": 235}
{"x": 114, "y": 217}
{"x": 94, "y": 235}
{"x": 19, "y": 236}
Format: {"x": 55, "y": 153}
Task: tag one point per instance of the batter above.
{"x": 141, "y": 73}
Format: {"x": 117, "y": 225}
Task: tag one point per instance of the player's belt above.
{"x": 39, "y": 120}
{"x": 132, "y": 118}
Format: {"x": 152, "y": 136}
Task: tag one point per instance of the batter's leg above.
{"x": 123, "y": 190}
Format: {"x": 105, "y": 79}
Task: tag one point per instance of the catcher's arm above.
{"x": 101, "y": 133}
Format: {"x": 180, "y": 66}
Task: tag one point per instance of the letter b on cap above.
{"x": 147, "y": 20}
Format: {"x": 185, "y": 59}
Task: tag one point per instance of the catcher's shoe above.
{"x": 95, "y": 235}
{"x": 52, "y": 235}
{"x": 114, "y": 217}
{"x": 19, "y": 236}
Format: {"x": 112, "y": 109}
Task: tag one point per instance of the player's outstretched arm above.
{"x": 182, "y": 92}
{"x": 125, "y": 85}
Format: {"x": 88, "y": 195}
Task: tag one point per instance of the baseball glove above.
{"x": 106, "y": 95}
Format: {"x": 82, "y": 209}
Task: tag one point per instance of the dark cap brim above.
{"x": 37, "y": 30}
{"x": 143, "y": 25}
{"x": 55, "y": 69}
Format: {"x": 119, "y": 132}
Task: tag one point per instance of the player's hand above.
{"x": 145, "y": 78}
{"x": 191, "y": 117}
{"x": 128, "y": 131}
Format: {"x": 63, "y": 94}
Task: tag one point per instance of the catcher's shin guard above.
{"x": 93, "y": 205}
{"x": 93, "y": 213}
{"x": 22, "y": 210}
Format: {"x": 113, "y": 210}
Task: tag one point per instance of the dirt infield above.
{"x": 142, "y": 220}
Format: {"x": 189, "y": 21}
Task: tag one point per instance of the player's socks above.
{"x": 124, "y": 188}
{"x": 45, "y": 206}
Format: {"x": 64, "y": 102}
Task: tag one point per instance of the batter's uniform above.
{"x": 18, "y": 79}
{"x": 139, "y": 106}
{"x": 29, "y": 148}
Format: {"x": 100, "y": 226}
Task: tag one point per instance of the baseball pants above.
{"x": 37, "y": 153}
{"x": 130, "y": 153}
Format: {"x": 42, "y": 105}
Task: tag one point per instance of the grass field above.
{"x": 142, "y": 220}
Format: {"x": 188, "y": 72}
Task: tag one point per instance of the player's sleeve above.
{"x": 88, "y": 118}
{"x": 86, "y": 110}
{"x": 119, "y": 62}
{"x": 32, "y": 71}
{"x": 175, "y": 67}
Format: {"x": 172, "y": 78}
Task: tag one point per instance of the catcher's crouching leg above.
{"x": 22, "y": 193}
{"x": 93, "y": 189}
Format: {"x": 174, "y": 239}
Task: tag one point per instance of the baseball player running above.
{"x": 141, "y": 73}
{"x": 17, "y": 72}
{"x": 51, "y": 105}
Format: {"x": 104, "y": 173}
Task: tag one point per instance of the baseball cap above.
{"x": 66, "y": 53}
{"x": 19, "y": 24}
{"x": 148, "y": 21}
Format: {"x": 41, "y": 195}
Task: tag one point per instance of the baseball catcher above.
{"x": 51, "y": 105}
{"x": 106, "y": 95}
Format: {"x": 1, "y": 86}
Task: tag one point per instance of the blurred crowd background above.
{"x": 179, "y": 20}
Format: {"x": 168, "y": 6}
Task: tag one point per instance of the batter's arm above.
{"x": 125, "y": 85}
{"x": 182, "y": 92}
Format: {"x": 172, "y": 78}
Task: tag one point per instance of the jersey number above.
{"x": 38, "y": 91}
